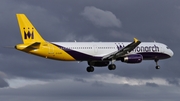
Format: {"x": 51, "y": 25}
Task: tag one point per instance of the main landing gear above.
{"x": 112, "y": 67}
{"x": 157, "y": 66}
{"x": 90, "y": 69}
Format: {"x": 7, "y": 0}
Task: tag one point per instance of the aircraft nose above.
{"x": 171, "y": 53}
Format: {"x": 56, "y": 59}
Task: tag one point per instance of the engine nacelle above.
{"x": 133, "y": 58}
{"x": 99, "y": 63}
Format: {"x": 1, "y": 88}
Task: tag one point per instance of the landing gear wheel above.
{"x": 157, "y": 67}
{"x": 90, "y": 69}
{"x": 112, "y": 67}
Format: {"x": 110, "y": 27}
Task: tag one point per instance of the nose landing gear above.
{"x": 157, "y": 66}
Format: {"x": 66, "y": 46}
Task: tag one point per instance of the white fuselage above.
{"x": 79, "y": 50}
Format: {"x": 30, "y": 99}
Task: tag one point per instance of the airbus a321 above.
{"x": 97, "y": 54}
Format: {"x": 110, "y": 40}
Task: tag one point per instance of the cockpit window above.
{"x": 167, "y": 47}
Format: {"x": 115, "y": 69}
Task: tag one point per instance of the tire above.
{"x": 112, "y": 67}
{"x": 90, "y": 69}
{"x": 157, "y": 67}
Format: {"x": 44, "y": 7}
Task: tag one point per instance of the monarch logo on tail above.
{"x": 28, "y": 31}
{"x": 29, "y": 34}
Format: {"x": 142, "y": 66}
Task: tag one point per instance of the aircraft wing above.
{"x": 123, "y": 51}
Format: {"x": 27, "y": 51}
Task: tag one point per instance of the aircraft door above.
{"x": 51, "y": 49}
{"x": 95, "y": 49}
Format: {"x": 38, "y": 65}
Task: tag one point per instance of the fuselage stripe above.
{"x": 78, "y": 55}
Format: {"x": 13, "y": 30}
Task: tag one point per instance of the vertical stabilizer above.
{"x": 28, "y": 31}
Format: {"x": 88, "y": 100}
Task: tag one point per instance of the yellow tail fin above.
{"x": 28, "y": 31}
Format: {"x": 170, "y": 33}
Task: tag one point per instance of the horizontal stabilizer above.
{"x": 26, "y": 47}
{"x": 34, "y": 45}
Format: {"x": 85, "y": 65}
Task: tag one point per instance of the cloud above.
{"x": 83, "y": 38}
{"x": 121, "y": 35}
{"x": 151, "y": 84}
{"x": 70, "y": 89}
{"x": 173, "y": 82}
{"x": 115, "y": 79}
{"x": 80, "y": 80}
{"x": 3, "y": 83}
{"x": 100, "y": 17}
{"x": 23, "y": 82}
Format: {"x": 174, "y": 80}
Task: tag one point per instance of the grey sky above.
{"x": 28, "y": 77}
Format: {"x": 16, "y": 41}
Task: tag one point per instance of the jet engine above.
{"x": 133, "y": 58}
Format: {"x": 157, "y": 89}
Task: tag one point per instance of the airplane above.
{"x": 97, "y": 54}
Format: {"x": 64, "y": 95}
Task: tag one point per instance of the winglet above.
{"x": 136, "y": 40}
